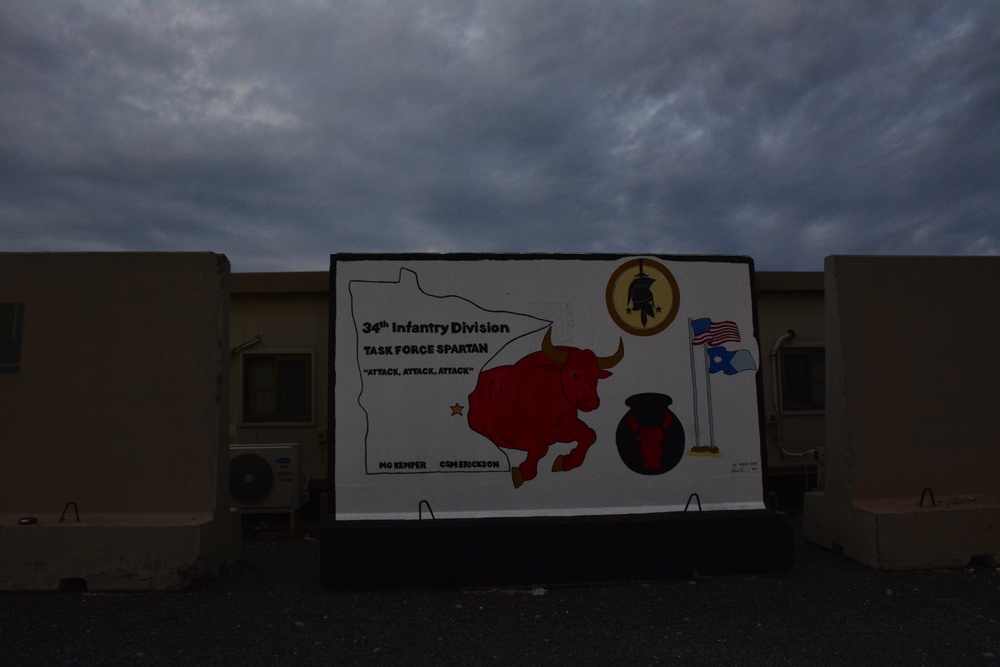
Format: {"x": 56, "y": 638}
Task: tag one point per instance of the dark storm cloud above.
{"x": 278, "y": 133}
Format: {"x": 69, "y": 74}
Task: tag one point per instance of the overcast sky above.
{"x": 279, "y": 132}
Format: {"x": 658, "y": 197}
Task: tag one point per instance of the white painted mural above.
{"x": 484, "y": 386}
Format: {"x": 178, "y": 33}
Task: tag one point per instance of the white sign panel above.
{"x": 484, "y": 386}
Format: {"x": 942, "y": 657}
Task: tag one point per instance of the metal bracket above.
{"x": 697, "y": 499}
{"x": 76, "y": 510}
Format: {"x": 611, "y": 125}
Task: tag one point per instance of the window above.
{"x": 803, "y": 379}
{"x": 277, "y": 388}
{"x": 11, "y": 320}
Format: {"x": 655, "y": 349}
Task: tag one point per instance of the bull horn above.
{"x": 605, "y": 363}
{"x": 558, "y": 356}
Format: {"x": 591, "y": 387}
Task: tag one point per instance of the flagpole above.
{"x": 694, "y": 384}
{"x": 708, "y": 387}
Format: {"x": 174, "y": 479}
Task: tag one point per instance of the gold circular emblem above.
{"x": 643, "y": 297}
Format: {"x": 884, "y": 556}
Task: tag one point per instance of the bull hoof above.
{"x": 557, "y": 465}
{"x": 515, "y": 472}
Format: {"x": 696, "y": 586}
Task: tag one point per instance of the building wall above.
{"x": 789, "y": 301}
{"x": 290, "y": 313}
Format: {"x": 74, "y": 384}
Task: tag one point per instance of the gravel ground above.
{"x": 269, "y": 609}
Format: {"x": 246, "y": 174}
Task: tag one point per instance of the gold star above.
{"x": 457, "y": 409}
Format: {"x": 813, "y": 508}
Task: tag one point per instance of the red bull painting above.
{"x": 471, "y": 386}
{"x": 534, "y": 403}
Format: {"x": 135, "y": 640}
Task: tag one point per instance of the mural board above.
{"x": 473, "y": 386}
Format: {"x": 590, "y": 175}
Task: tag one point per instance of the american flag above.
{"x": 714, "y": 333}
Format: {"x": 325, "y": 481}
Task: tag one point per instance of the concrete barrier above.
{"x": 911, "y": 410}
{"x": 115, "y": 409}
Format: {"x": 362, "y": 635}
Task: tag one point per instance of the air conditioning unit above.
{"x": 265, "y": 476}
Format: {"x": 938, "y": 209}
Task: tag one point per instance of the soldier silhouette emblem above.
{"x": 640, "y": 295}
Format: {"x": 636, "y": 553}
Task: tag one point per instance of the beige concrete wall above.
{"x": 916, "y": 374}
{"x": 912, "y": 395}
{"x": 291, "y": 312}
{"x": 120, "y": 405}
{"x": 118, "y": 401}
{"x": 789, "y": 300}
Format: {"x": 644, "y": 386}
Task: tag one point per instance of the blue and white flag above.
{"x": 730, "y": 362}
